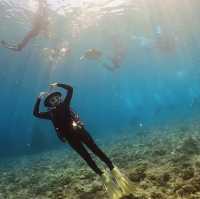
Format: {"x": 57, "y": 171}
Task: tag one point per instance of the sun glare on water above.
{"x": 56, "y": 4}
{"x": 33, "y": 5}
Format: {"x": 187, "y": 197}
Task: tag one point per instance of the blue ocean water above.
{"x": 155, "y": 44}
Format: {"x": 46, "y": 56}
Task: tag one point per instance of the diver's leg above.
{"x": 80, "y": 149}
{"x": 33, "y": 33}
{"x": 21, "y": 45}
{"x": 90, "y": 143}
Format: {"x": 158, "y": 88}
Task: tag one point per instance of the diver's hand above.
{"x": 54, "y": 85}
{"x": 42, "y": 95}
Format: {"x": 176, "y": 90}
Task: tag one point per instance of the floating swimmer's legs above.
{"x": 111, "y": 188}
{"x": 123, "y": 182}
{"x": 20, "y": 46}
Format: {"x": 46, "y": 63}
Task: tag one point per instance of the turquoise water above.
{"x": 155, "y": 43}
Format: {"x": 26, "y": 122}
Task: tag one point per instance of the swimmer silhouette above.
{"x": 40, "y": 24}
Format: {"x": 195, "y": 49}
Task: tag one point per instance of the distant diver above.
{"x": 92, "y": 54}
{"x": 95, "y": 54}
{"x": 39, "y": 25}
{"x": 55, "y": 55}
{"x": 70, "y": 129}
{"x": 165, "y": 41}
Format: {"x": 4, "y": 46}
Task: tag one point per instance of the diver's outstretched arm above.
{"x": 69, "y": 92}
{"x": 33, "y": 33}
{"x": 37, "y": 113}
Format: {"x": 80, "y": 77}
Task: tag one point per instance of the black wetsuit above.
{"x": 62, "y": 118}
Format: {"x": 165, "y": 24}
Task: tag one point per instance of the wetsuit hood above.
{"x": 48, "y": 98}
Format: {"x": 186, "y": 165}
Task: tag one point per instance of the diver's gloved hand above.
{"x": 42, "y": 95}
{"x": 54, "y": 85}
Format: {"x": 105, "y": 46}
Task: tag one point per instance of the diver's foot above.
{"x": 123, "y": 182}
{"x": 112, "y": 189}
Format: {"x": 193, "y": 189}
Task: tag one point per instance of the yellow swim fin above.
{"x": 123, "y": 182}
{"x": 113, "y": 191}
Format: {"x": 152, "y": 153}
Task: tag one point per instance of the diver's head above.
{"x": 53, "y": 100}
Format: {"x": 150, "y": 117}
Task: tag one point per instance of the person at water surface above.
{"x": 39, "y": 25}
{"x": 68, "y": 126}
{"x": 70, "y": 129}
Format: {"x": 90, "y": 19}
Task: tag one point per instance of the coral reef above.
{"x": 162, "y": 164}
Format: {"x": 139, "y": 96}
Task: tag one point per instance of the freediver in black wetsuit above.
{"x": 69, "y": 128}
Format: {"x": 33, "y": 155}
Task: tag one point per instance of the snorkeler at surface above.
{"x": 39, "y": 25}
{"x": 70, "y": 129}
